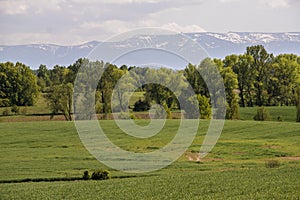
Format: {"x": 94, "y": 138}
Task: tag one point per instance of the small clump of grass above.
{"x": 272, "y": 163}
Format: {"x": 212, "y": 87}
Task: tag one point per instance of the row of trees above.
{"x": 255, "y": 78}
{"x": 18, "y": 85}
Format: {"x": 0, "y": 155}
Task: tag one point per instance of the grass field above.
{"x": 285, "y": 113}
{"x": 242, "y": 184}
{"x": 234, "y": 169}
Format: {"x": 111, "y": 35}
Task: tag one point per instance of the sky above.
{"x": 72, "y": 22}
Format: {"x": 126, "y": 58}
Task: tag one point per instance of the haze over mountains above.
{"x": 217, "y": 45}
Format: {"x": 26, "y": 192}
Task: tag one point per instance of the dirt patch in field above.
{"x": 194, "y": 156}
{"x": 291, "y": 158}
{"x": 271, "y": 146}
{"x": 239, "y": 153}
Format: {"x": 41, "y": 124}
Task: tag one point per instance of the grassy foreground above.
{"x": 234, "y": 169}
{"x": 241, "y": 184}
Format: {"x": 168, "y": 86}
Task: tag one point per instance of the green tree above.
{"x": 232, "y": 98}
{"x": 18, "y": 85}
{"x": 74, "y": 68}
{"x": 167, "y": 86}
{"x": 241, "y": 65}
{"x": 282, "y": 84}
{"x": 204, "y": 106}
{"x": 106, "y": 85}
{"x": 195, "y": 80}
{"x": 43, "y": 75}
{"x": 262, "y": 61}
{"x": 60, "y": 100}
{"x": 58, "y": 75}
{"x": 121, "y": 92}
{"x": 87, "y": 95}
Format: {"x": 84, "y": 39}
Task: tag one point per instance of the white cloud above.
{"x": 76, "y": 21}
{"x": 277, "y": 3}
{"x": 13, "y": 7}
{"x": 110, "y": 27}
{"x": 228, "y": 1}
{"x": 184, "y": 29}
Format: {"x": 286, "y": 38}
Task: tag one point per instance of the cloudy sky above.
{"x": 73, "y": 22}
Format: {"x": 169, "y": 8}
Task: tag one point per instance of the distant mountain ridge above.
{"x": 217, "y": 45}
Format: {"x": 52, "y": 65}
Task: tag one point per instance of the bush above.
{"x": 262, "y": 114}
{"x": 141, "y": 106}
{"x": 280, "y": 118}
{"x": 86, "y": 175}
{"x": 15, "y": 109}
{"x": 100, "y": 175}
{"x": 6, "y": 112}
{"x": 272, "y": 163}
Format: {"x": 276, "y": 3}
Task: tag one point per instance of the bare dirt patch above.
{"x": 291, "y": 158}
{"x": 194, "y": 156}
{"x": 271, "y": 146}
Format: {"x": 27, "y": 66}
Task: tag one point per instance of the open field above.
{"x": 241, "y": 184}
{"x": 285, "y": 113}
{"x": 234, "y": 169}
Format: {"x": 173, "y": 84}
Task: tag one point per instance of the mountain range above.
{"x": 217, "y": 45}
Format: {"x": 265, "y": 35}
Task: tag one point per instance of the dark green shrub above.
{"x": 141, "y": 106}
{"x": 262, "y": 114}
{"x": 15, "y": 109}
{"x": 272, "y": 163}
{"x": 280, "y": 118}
{"x": 100, "y": 175}
{"x": 86, "y": 175}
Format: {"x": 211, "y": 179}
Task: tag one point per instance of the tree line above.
{"x": 255, "y": 78}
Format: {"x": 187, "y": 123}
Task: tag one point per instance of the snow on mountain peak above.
{"x": 217, "y": 45}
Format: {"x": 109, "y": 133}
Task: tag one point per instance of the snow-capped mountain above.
{"x": 217, "y": 45}
{"x": 35, "y": 54}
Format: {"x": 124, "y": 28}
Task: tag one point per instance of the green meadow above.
{"x": 235, "y": 169}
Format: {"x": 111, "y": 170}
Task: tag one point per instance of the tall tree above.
{"x": 241, "y": 65}
{"x": 58, "y": 75}
{"x": 106, "y": 85}
{"x": 195, "y": 80}
{"x": 231, "y": 85}
{"x": 74, "y": 68}
{"x": 262, "y": 61}
{"x": 43, "y": 75}
{"x": 126, "y": 83}
{"x": 166, "y": 87}
{"x": 60, "y": 100}
{"x": 283, "y": 79}
{"x": 18, "y": 85}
